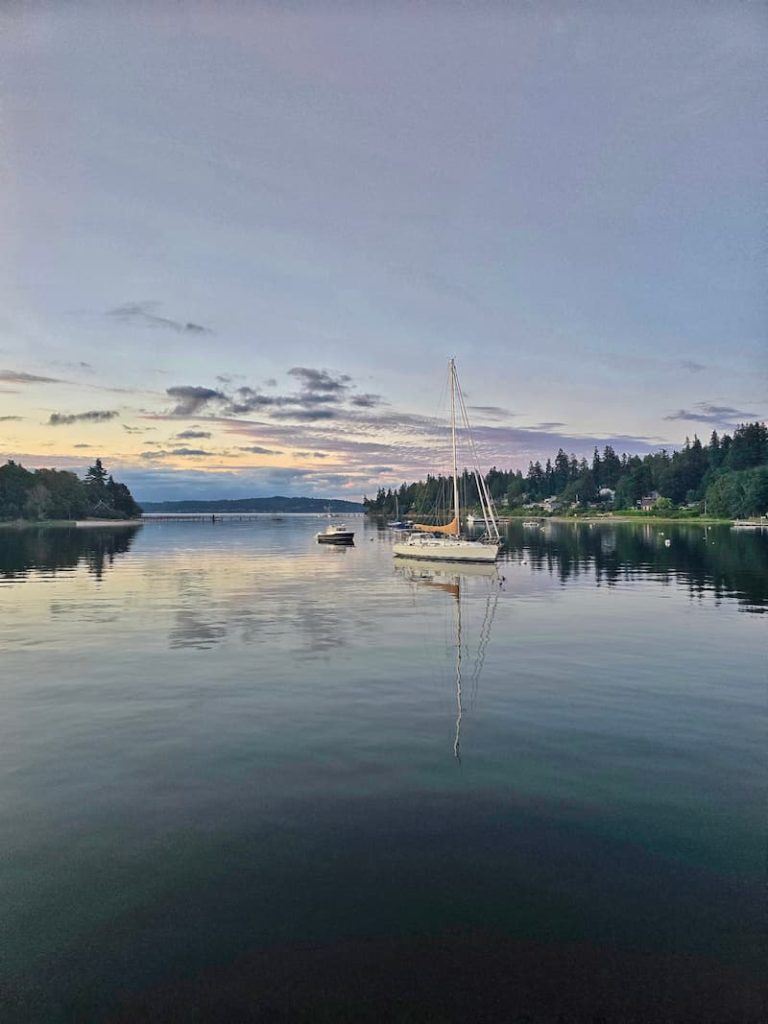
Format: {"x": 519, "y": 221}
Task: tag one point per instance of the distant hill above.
{"x": 278, "y": 503}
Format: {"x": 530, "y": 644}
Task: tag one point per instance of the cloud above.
{"x": 706, "y": 412}
{"x": 166, "y": 452}
{"x": 135, "y": 430}
{"x": 82, "y": 446}
{"x": 191, "y": 435}
{"x": 93, "y": 416}
{"x": 320, "y": 380}
{"x": 142, "y": 312}
{"x": 692, "y": 365}
{"x": 547, "y": 425}
{"x": 256, "y": 449}
{"x": 79, "y": 365}
{"x": 308, "y": 415}
{"x": 319, "y": 389}
{"x": 249, "y": 400}
{"x": 7, "y": 419}
{"x": 312, "y": 455}
{"x": 20, "y": 377}
{"x": 190, "y": 400}
{"x": 365, "y": 401}
{"x": 494, "y": 412}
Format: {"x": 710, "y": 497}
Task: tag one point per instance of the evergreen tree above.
{"x": 560, "y": 475}
{"x": 714, "y": 454}
{"x": 611, "y": 468}
{"x": 597, "y": 466}
{"x": 96, "y": 476}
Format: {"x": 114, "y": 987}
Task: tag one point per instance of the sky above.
{"x": 240, "y": 241}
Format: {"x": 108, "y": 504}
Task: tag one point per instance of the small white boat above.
{"x": 532, "y": 524}
{"x": 335, "y": 533}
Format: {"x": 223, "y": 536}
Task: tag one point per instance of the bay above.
{"x": 240, "y": 777}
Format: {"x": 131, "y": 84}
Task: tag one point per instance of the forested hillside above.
{"x": 277, "y": 503}
{"x": 44, "y": 494}
{"x": 728, "y": 477}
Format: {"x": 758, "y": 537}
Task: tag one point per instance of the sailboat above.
{"x": 398, "y": 523}
{"x": 446, "y": 543}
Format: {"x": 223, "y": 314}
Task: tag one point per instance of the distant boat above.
{"x": 534, "y": 524}
{"x": 335, "y": 533}
{"x": 445, "y": 543}
{"x": 473, "y": 521}
{"x": 398, "y": 523}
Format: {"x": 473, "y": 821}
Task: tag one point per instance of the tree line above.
{"x": 45, "y": 494}
{"x": 728, "y": 478}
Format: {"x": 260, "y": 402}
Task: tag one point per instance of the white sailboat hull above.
{"x": 446, "y": 549}
{"x": 425, "y": 569}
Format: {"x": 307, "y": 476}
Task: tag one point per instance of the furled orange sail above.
{"x": 452, "y": 527}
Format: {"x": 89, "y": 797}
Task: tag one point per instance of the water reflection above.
{"x": 261, "y": 753}
{"x": 191, "y": 630}
{"x": 717, "y": 560}
{"x": 47, "y": 550}
{"x": 453, "y": 580}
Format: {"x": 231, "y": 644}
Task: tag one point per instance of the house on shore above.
{"x": 647, "y": 502}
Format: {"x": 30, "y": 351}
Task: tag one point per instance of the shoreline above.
{"x": 26, "y": 524}
{"x": 694, "y": 521}
{"x": 644, "y": 520}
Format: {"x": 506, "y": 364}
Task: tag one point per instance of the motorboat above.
{"x": 335, "y": 533}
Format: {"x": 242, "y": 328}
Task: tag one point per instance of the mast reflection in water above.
{"x": 451, "y": 579}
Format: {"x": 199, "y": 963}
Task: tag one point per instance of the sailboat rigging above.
{"x": 398, "y": 523}
{"x": 446, "y": 543}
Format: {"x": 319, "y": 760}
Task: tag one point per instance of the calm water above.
{"x": 246, "y": 777}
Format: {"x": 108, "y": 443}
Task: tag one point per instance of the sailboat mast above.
{"x": 452, "y": 374}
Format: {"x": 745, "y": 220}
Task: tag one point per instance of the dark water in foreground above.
{"x": 241, "y": 780}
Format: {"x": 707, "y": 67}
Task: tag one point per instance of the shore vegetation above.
{"x": 727, "y": 478}
{"x": 44, "y": 495}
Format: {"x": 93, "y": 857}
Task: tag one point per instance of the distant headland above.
{"x": 277, "y": 503}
